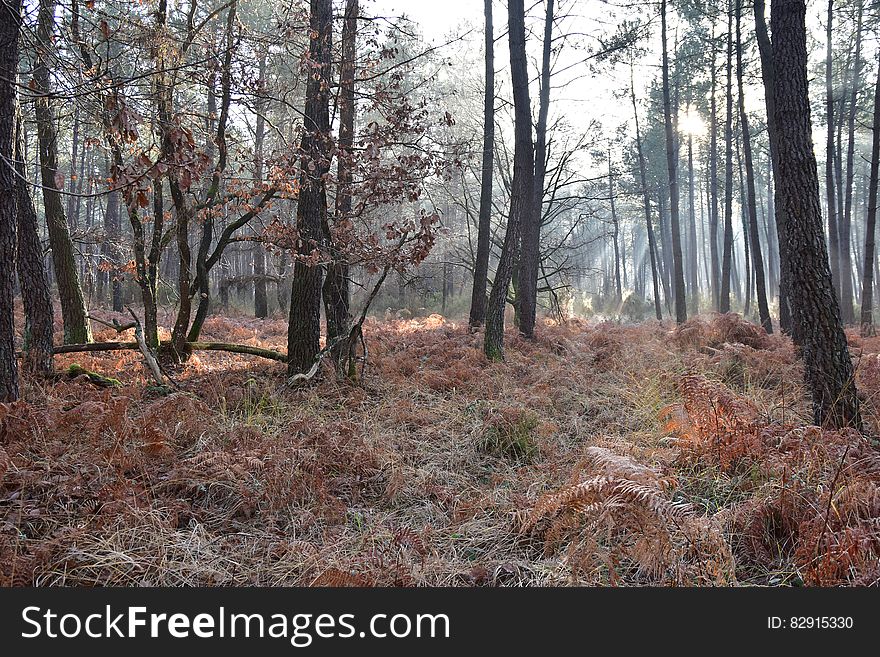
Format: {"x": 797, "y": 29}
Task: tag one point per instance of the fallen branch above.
{"x": 270, "y": 354}
{"x": 100, "y": 380}
{"x": 149, "y": 356}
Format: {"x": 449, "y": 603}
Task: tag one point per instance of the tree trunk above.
{"x": 337, "y": 297}
{"x": 754, "y": 236}
{"x": 693, "y": 264}
{"x": 35, "y": 293}
{"x": 833, "y": 241}
{"x": 672, "y": 169}
{"x": 727, "y": 248}
{"x": 530, "y": 228}
{"x": 768, "y": 77}
{"x": 713, "y": 183}
{"x": 304, "y": 329}
{"x": 9, "y": 28}
{"x": 481, "y": 264}
{"x": 261, "y": 302}
{"x": 818, "y": 330}
{"x": 847, "y": 312}
{"x": 73, "y": 307}
{"x": 616, "y": 226}
{"x": 522, "y": 193}
{"x": 867, "y": 319}
{"x": 646, "y": 200}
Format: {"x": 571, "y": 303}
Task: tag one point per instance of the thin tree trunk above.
{"x": 530, "y": 227}
{"x": 754, "y": 236}
{"x": 481, "y": 264}
{"x": 867, "y": 319}
{"x": 693, "y": 260}
{"x": 9, "y": 28}
{"x": 672, "y": 169}
{"x": 727, "y": 249}
{"x": 829, "y": 149}
{"x": 713, "y": 182}
{"x": 768, "y": 76}
{"x": 616, "y": 226}
{"x": 847, "y": 312}
{"x": 522, "y": 193}
{"x": 73, "y": 307}
{"x": 336, "y": 292}
{"x": 261, "y": 302}
{"x": 32, "y": 275}
{"x": 646, "y": 199}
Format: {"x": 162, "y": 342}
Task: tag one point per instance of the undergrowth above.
{"x": 597, "y": 454}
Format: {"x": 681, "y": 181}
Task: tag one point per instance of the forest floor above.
{"x": 598, "y": 454}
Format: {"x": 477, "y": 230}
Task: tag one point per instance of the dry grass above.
{"x": 598, "y": 454}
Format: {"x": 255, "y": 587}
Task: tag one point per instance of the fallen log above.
{"x": 270, "y": 354}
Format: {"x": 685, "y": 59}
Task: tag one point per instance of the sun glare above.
{"x": 691, "y": 123}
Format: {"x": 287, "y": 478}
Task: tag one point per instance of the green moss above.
{"x": 75, "y": 370}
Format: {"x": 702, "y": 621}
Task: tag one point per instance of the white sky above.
{"x": 592, "y": 97}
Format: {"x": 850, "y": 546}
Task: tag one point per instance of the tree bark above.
{"x": 32, "y": 276}
{"x": 818, "y": 330}
{"x": 481, "y": 264}
{"x": 261, "y": 302}
{"x": 768, "y": 76}
{"x": 847, "y": 312}
{"x": 727, "y": 247}
{"x": 833, "y": 240}
{"x": 616, "y": 226}
{"x": 646, "y": 200}
{"x": 336, "y": 293}
{"x": 9, "y": 28}
{"x": 693, "y": 264}
{"x": 73, "y": 307}
{"x": 672, "y": 169}
{"x": 713, "y": 182}
{"x": 304, "y": 329}
{"x": 530, "y": 228}
{"x": 522, "y": 193}
{"x": 752, "y": 207}
{"x": 867, "y": 318}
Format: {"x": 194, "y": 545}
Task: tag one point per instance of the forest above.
{"x": 362, "y": 293}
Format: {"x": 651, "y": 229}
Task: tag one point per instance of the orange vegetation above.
{"x": 598, "y": 454}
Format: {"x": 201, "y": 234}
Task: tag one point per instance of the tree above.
{"x": 73, "y": 307}
{"x": 752, "y": 207}
{"x": 522, "y": 193}
{"x": 9, "y": 25}
{"x": 727, "y": 243}
{"x": 261, "y": 302}
{"x": 32, "y": 277}
{"x": 304, "y": 330}
{"x": 530, "y": 229}
{"x": 867, "y": 318}
{"x": 845, "y": 225}
{"x": 481, "y": 263}
{"x": 646, "y": 200}
{"x": 713, "y": 179}
{"x": 765, "y": 51}
{"x": 336, "y": 293}
{"x": 833, "y": 240}
{"x": 817, "y": 328}
{"x": 672, "y": 168}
